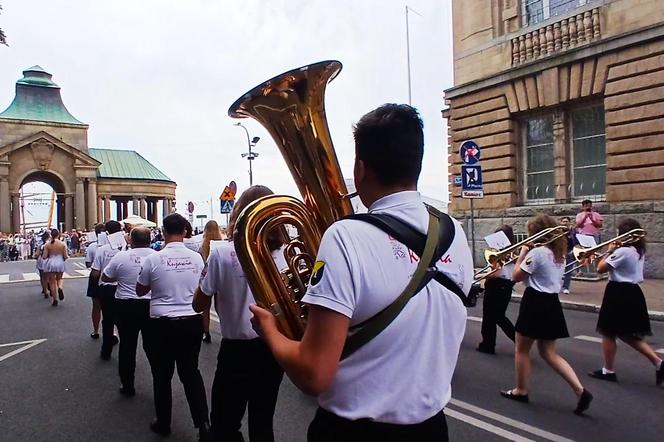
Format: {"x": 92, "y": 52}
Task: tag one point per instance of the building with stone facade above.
{"x": 41, "y": 141}
{"x": 566, "y": 101}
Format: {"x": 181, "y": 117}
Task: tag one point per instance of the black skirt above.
{"x": 624, "y": 311}
{"x": 541, "y": 316}
{"x": 93, "y": 288}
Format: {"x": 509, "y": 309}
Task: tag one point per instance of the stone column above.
{"x": 5, "y": 213}
{"x": 118, "y": 210}
{"x": 125, "y": 209}
{"x": 561, "y": 178}
{"x": 107, "y": 208}
{"x": 80, "y": 205}
{"x": 100, "y": 209}
{"x": 134, "y": 206}
{"x": 165, "y": 208}
{"x": 92, "y": 204}
{"x": 69, "y": 212}
{"x": 149, "y": 210}
{"x": 143, "y": 208}
{"x": 16, "y": 214}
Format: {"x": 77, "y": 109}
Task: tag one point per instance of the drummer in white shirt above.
{"x": 131, "y": 312}
{"x": 175, "y": 329}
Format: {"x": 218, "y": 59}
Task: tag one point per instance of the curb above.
{"x": 593, "y": 308}
{"x": 18, "y": 281}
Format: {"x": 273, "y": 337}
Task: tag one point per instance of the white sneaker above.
{"x": 565, "y": 292}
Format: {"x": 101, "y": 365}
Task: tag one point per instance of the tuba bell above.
{"x": 291, "y": 106}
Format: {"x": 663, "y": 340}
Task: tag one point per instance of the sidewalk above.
{"x": 587, "y": 296}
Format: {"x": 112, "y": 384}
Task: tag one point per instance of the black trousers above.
{"x": 132, "y": 317}
{"x": 247, "y": 375}
{"x": 328, "y": 427}
{"x": 171, "y": 343}
{"x": 497, "y": 295}
{"x": 107, "y": 299}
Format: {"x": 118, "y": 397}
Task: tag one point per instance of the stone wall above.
{"x": 649, "y": 213}
{"x": 12, "y": 131}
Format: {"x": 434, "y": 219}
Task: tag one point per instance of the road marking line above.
{"x": 588, "y": 338}
{"x": 80, "y": 265}
{"x": 30, "y": 276}
{"x": 506, "y": 420}
{"x": 474, "y": 318}
{"x": 4, "y": 278}
{"x": 28, "y": 345}
{"x": 486, "y": 426}
{"x": 660, "y": 351}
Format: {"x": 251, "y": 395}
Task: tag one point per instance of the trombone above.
{"x": 587, "y": 255}
{"x": 497, "y": 259}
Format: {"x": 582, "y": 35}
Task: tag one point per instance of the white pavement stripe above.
{"x": 474, "y": 318}
{"x": 542, "y": 434}
{"x": 4, "y": 278}
{"x": 485, "y": 426}
{"x": 588, "y": 338}
{"x": 29, "y": 345}
{"x": 660, "y": 351}
{"x": 76, "y": 274}
{"x": 30, "y": 276}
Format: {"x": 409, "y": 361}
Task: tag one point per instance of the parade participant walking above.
{"x": 541, "y": 316}
{"x": 131, "y": 312}
{"x": 40, "y": 262}
{"x": 106, "y": 292}
{"x": 175, "y": 329}
{"x": 93, "y": 291}
{"x": 210, "y": 233}
{"x": 624, "y": 313}
{"x": 55, "y": 255}
{"x": 395, "y": 386}
{"x": 497, "y": 296}
{"x": 247, "y": 374}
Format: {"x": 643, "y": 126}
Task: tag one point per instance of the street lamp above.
{"x": 251, "y": 142}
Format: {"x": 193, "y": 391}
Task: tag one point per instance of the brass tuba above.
{"x": 291, "y": 107}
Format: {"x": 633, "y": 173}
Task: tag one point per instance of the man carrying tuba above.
{"x": 393, "y": 387}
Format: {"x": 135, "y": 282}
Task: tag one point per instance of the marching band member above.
{"x": 247, "y": 374}
{"x": 210, "y": 233}
{"x": 497, "y": 296}
{"x": 40, "y": 263}
{"x": 55, "y": 254}
{"x": 131, "y": 312}
{"x": 93, "y": 284}
{"x": 541, "y": 316}
{"x": 175, "y": 329}
{"x": 624, "y": 313}
{"x": 393, "y": 388}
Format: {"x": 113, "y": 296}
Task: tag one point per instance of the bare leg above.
{"x": 547, "y": 350}
{"x": 52, "y": 286}
{"x": 522, "y": 363}
{"x": 96, "y": 314}
{"x": 646, "y": 350}
{"x": 609, "y": 348}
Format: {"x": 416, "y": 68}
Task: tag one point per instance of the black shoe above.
{"x": 127, "y": 391}
{"x": 54, "y": 303}
{"x": 116, "y": 340}
{"x": 659, "y": 374}
{"x": 159, "y": 428}
{"x": 61, "y": 295}
{"x": 105, "y": 356}
{"x": 207, "y": 338}
{"x": 584, "y": 402}
{"x": 482, "y": 349}
{"x": 599, "y": 374}
{"x": 515, "y": 397}
{"x": 204, "y": 433}
{"x": 94, "y": 335}
{"x": 45, "y": 295}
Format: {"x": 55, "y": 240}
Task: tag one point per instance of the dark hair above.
{"x": 188, "y": 230}
{"x": 566, "y": 218}
{"x": 99, "y": 228}
{"x": 627, "y": 224}
{"x": 112, "y": 227}
{"x": 175, "y": 224}
{"x": 55, "y": 234}
{"x": 140, "y": 237}
{"x": 507, "y": 230}
{"x": 275, "y": 238}
{"x": 390, "y": 143}
{"x": 45, "y": 235}
{"x": 584, "y": 202}
{"x": 543, "y": 221}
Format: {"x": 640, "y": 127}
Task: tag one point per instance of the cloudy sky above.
{"x": 158, "y": 76}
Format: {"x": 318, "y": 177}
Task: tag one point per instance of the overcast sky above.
{"x": 158, "y": 76}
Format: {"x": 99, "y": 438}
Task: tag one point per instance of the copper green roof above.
{"x": 38, "y": 99}
{"x": 125, "y": 164}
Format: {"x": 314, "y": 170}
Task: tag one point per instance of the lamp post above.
{"x": 250, "y": 155}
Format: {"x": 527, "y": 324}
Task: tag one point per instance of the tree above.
{"x": 3, "y": 38}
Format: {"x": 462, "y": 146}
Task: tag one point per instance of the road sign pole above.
{"x": 472, "y": 227}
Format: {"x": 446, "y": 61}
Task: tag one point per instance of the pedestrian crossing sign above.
{"x": 227, "y": 206}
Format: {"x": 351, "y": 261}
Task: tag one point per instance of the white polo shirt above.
{"x": 172, "y": 274}
{"x": 403, "y": 375}
{"x": 125, "y": 267}
{"x": 544, "y": 273}
{"x": 103, "y": 256}
{"x": 225, "y": 280}
{"x": 90, "y": 252}
{"x": 625, "y": 265}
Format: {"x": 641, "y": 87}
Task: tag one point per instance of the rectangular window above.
{"x": 539, "y": 158}
{"x": 535, "y": 11}
{"x": 588, "y": 152}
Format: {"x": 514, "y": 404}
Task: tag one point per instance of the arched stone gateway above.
{"x": 41, "y": 141}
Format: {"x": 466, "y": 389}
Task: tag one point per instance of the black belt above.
{"x": 176, "y": 318}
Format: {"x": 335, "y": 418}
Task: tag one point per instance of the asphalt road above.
{"x": 60, "y": 390}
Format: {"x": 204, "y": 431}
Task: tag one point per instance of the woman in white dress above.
{"x": 40, "y": 262}
{"x": 55, "y": 254}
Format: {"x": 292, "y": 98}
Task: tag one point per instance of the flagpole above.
{"x": 409, "y": 9}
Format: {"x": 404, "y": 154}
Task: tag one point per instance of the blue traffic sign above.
{"x": 469, "y": 152}
{"x": 227, "y": 206}
{"x": 471, "y": 182}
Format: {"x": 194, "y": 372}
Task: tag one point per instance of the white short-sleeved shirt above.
{"x": 103, "y": 256}
{"x": 506, "y": 271}
{"x": 625, "y": 265}
{"x": 544, "y": 273}
{"x": 172, "y": 274}
{"x": 125, "y": 267}
{"x": 90, "y": 252}
{"x": 403, "y": 375}
{"x": 225, "y": 280}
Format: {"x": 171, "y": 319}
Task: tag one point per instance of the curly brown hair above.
{"x": 627, "y": 224}
{"x": 543, "y": 221}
